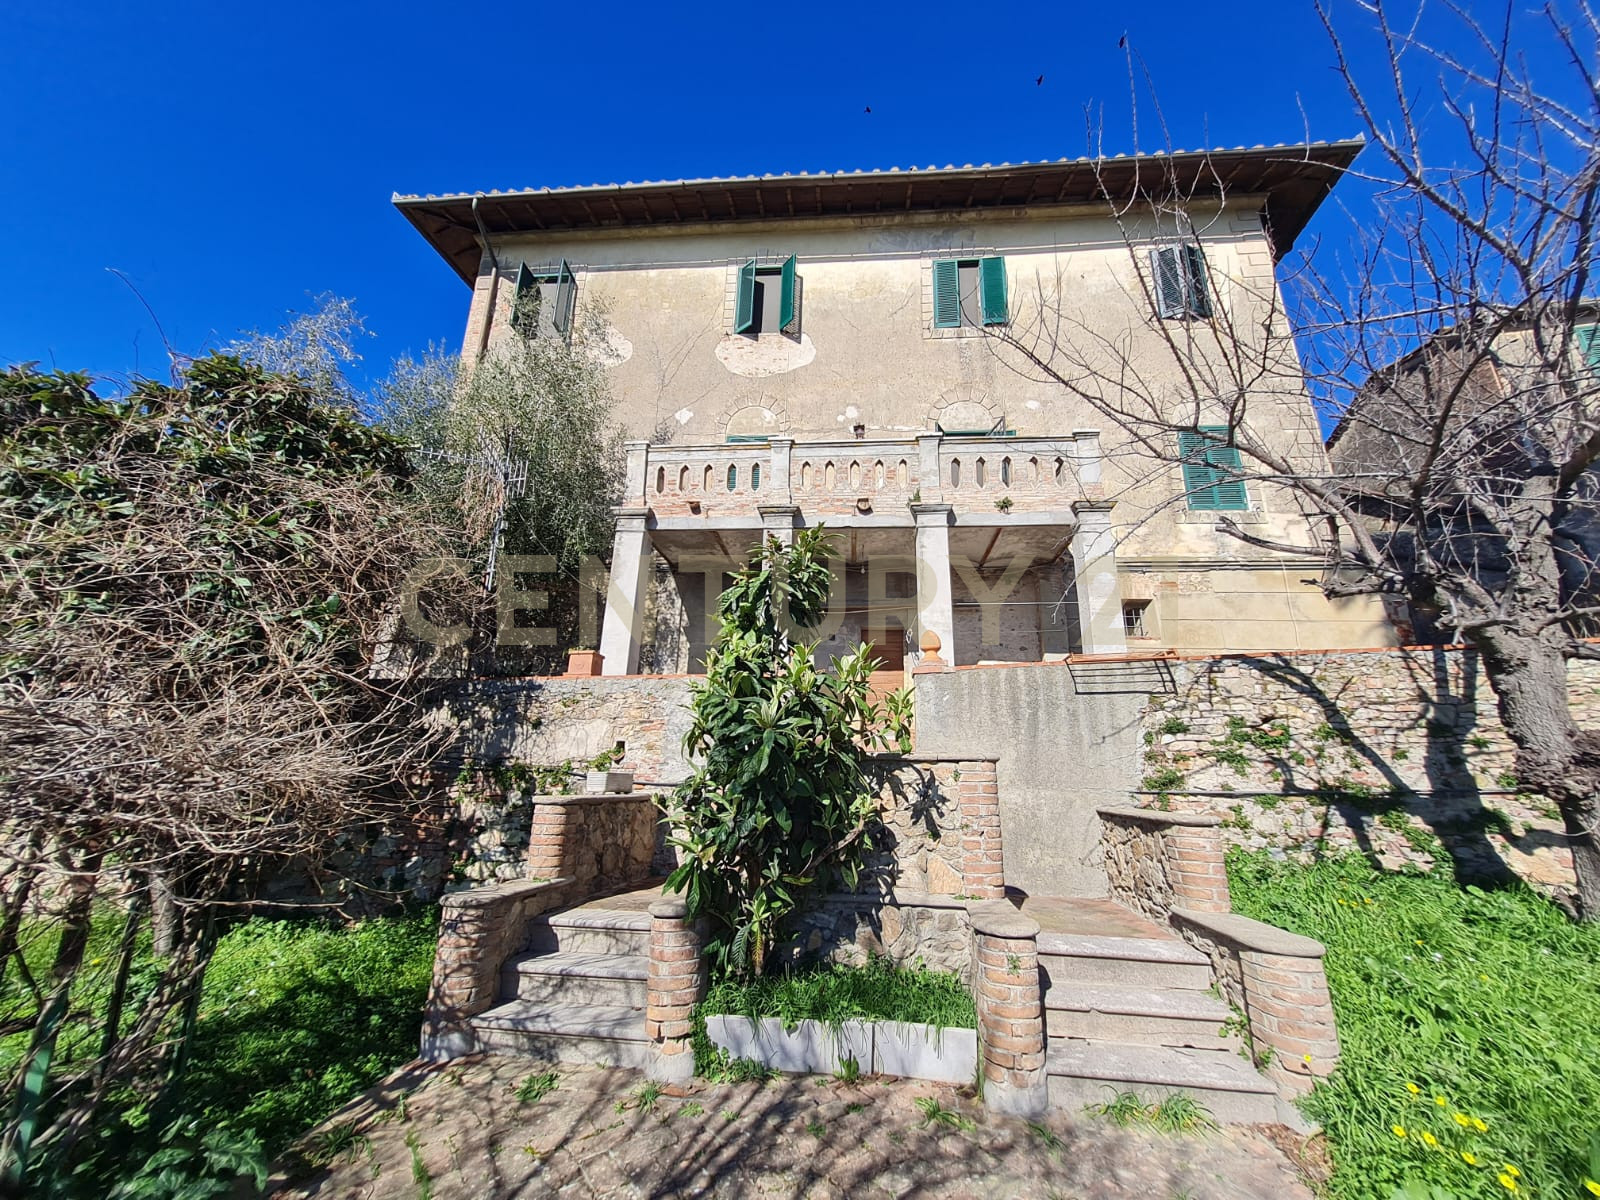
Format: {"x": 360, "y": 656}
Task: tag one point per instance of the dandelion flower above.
{"x": 1463, "y": 1120}
{"x": 1480, "y": 1124}
{"x": 1469, "y": 1158}
{"x": 1440, "y": 1101}
{"x": 1413, "y": 1088}
{"x": 1512, "y": 1171}
{"x": 1399, "y": 1130}
{"x": 1506, "y": 1181}
{"x": 1429, "y": 1139}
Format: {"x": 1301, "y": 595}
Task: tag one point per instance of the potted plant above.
{"x": 602, "y": 779}
{"x": 584, "y": 662}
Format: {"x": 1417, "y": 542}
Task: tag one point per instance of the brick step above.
{"x": 1074, "y": 958}
{"x": 1083, "y": 1072}
{"x": 610, "y": 980}
{"x": 1138, "y": 1015}
{"x": 591, "y": 931}
{"x": 599, "y": 1035}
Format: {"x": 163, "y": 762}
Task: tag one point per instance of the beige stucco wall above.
{"x": 868, "y": 355}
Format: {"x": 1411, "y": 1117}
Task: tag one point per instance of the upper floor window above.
{"x": 543, "y": 303}
{"x": 768, "y": 300}
{"x": 970, "y": 292}
{"x": 1211, "y": 470}
{"x": 1179, "y": 274}
{"x": 1589, "y": 345}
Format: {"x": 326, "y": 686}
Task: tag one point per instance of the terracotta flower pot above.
{"x": 584, "y": 662}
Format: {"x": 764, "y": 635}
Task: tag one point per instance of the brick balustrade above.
{"x": 1011, "y": 1034}
{"x": 598, "y": 841}
{"x": 982, "y": 853}
{"x": 1157, "y": 861}
{"x": 1277, "y": 978}
{"x": 677, "y": 981}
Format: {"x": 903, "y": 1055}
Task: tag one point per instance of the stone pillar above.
{"x": 782, "y": 484}
{"x": 935, "y": 614}
{"x": 623, "y": 626}
{"x": 676, "y": 984}
{"x": 1094, "y": 557}
{"x": 1011, "y": 1037}
{"x": 549, "y": 833}
{"x": 1086, "y": 460}
{"x": 779, "y": 520}
{"x": 982, "y": 854}
{"x": 1286, "y": 1000}
{"x": 929, "y": 483}
{"x": 1194, "y": 867}
{"x": 635, "y": 479}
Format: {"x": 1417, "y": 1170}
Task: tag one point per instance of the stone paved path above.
{"x": 458, "y": 1133}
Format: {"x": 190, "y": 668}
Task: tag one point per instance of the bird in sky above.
{"x": 1039, "y": 82}
{"x": 868, "y": 108}
{"x": 1122, "y": 42}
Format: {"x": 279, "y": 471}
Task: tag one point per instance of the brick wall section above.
{"x": 982, "y": 853}
{"x": 599, "y": 842}
{"x": 1157, "y": 861}
{"x": 478, "y": 931}
{"x": 677, "y": 981}
{"x": 1011, "y": 1033}
{"x": 1277, "y": 978}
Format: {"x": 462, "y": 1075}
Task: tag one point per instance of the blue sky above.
{"x": 236, "y": 160}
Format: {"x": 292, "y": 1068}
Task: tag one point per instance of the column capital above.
{"x": 1079, "y": 507}
{"x": 778, "y": 514}
{"x": 631, "y": 518}
{"x": 932, "y": 513}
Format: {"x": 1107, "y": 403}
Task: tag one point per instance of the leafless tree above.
{"x": 1449, "y": 344}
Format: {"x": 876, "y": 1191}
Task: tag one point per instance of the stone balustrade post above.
{"x": 676, "y": 984}
{"x": 1286, "y": 1000}
{"x": 548, "y": 835}
{"x": 1195, "y": 867}
{"x": 1011, "y": 1035}
{"x": 982, "y": 854}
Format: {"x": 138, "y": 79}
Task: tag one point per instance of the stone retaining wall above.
{"x": 938, "y": 829}
{"x": 1396, "y": 752}
{"x": 909, "y": 929}
{"x": 1157, "y": 861}
{"x": 599, "y": 842}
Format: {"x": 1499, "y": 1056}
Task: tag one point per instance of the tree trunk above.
{"x": 1554, "y": 757}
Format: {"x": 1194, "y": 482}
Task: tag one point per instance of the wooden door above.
{"x": 889, "y": 648}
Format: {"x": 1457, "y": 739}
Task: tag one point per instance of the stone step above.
{"x": 599, "y": 1035}
{"x": 1084, "y": 1072}
{"x": 614, "y": 980}
{"x": 1074, "y": 958}
{"x": 591, "y": 931}
{"x": 1139, "y": 1015}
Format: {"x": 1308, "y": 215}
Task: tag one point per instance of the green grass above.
{"x": 878, "y": 991}
{"x": 1469, "y": 1023}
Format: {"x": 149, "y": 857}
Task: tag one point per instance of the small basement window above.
{"x": 1133, "y": 623}
{"x": 768, "y": 300}
{"x": 969, "y": 292}
{"x": 544, "y": 300}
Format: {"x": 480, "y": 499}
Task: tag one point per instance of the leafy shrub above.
{"x": 878, "y": 991}
{"x": 1469, "y": 1022}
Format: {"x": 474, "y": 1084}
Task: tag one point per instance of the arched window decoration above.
{"x": 733, "y": 477}
{"x": 661, "y": 480}
{"x": 805, "y": 475}
{"x": 855, "y": 475}
{"x": 1005, "y": 472}
{"x": 1033, "y": 469}
{"x": 980, "y": 473}
{"x": 1061, "y": 470}
{"x": 955, "y": 472}
{"x": 902, "y": 473}
{"x": 683, "y": 479}
{"x": 705, "y": 480}
{"x": 877, "y": 473}
{"x": 755, "y": 477}
{"x": 828, "y": 477}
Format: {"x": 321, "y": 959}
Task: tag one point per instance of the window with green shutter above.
{"x": 769, "y": 299}
{"x": 1211, "y": 470}
{"x": 544, "y": 300}
{"x": 1589, "y": 345}
{"x": 970, "y": 292}
{"x": 1178, "y": 276}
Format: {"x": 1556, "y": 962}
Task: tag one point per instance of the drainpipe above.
{"x": 494, "y": 281}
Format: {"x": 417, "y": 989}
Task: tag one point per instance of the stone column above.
{"x": 1195, "y": 867}
{"x": 1011, "y": 1037}
{"x": 1094, "y": 557}
{"x": 635, "y": 479}
{"x": 935, "y": 613}
{"x": 982, "y": 853}
{"x": 782, "y": 485}
{"x": 779, "y": 520}
{"x": 623, "y": 626}
{"x": 929, "y": 483}
{"x": 676, "y": 984}
{"x": 1286, "y": 1000}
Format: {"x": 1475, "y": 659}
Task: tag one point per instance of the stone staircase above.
{"x": 578, "y": 994}
{"x": 1137, "y": 1014}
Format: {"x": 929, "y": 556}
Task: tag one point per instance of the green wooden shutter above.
{"x": 525, "y": 302}
{"x": 946, "y": 294}
{"x": 1196, "y": 293}
{"x": 992, "y": 289}
{"x": 566, "y": 298}
{"x": 788, "y": 300}
{"x": 744, "y": 308}
{"x": 1211, "y": 471}
{"x": 1589, "y": 345}
{"x": 1168, "y": 281}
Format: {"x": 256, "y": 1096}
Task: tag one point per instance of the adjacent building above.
{"x": 793, "y": 349}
